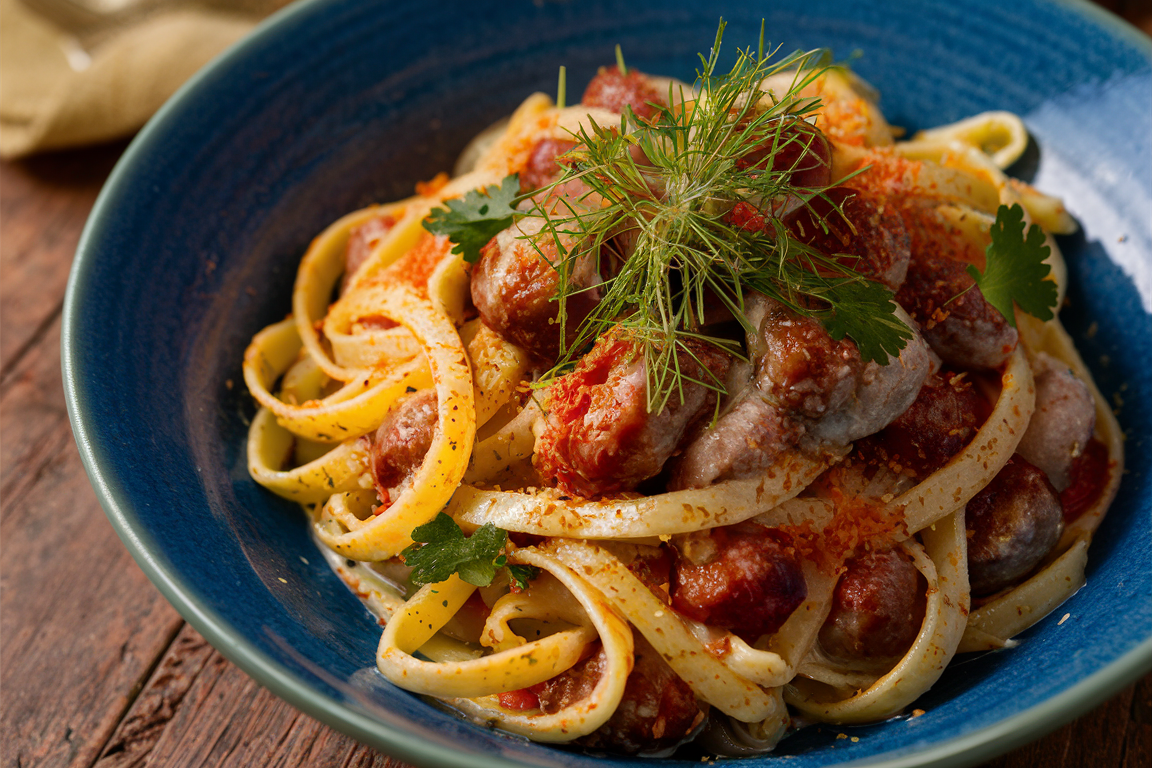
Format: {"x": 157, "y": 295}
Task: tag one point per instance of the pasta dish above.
{"x": 693, "y": 412}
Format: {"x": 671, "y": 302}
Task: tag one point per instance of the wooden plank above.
{"x": 44, "y": 202}
{"x": 35, "y": 420}
{"x": 198, "y": 710}
{"x": 1138, "y": 743}
{"x": 81, "y": 625}
{"x": 1095, "y": 739}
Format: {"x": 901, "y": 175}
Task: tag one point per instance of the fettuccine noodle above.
{"x": 568, "y": 655}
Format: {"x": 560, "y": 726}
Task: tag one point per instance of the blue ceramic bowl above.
{"x": 194, "y": 242}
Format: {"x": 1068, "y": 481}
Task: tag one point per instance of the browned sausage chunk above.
{"x": 613, "y": 91}
{"x": 743, "y": 442}
{"x": 1062, "y": 423}
{"x": 856, "y": 223}
{"x": 939, "y": 424}
{"x": 542, "y": 168}
{"x": 599, "y": 437}
{"x": 514, "y": 287}
{"x": 401, "y": 442}
{"x": 795, "y": 147}
{"x": 744, "y": 578}
{"x": 361, "y": 240}
{"x": 1014, "y": 523}
{"x": 802, "y": 367}
{"x": 877, "y": 608}
{"x": 657, "y": 712}
{"x": 955, "y": 318}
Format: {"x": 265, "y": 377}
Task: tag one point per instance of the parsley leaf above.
{"x": 864, "y": 310}
{"x": 474, "y": 219}
{"x": 1015, "y": 270}
{"x": 442, "y": 549}
{"x": 521, "y": 575}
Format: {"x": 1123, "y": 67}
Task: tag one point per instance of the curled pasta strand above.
{"x": 943, "y": 560}
{"x": 950, "y": 487}
{"x": 355, "y": 409}
{"x": 322, "y": 265}
{"x": 544, "y": 514}
{"x": 426, "y": 612}
{"x": 776, "y": 664}
{"x": 1051, "y": 337}
{"x": 995, "y": 623}
{"x": 498, "y": 368}
{"x": 505, "y": 448}
{"x": 385, "y": 534}
{"x": 585, "y": 715}
{"x": 1001, "y": 136}
{"x": 710, "y": 679}
{"x": 337, "y": 471}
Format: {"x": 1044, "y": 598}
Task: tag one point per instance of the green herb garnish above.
{"x": 689, "y": 250}
{"x": 442, "y": 549}
{"x": 474, "y": 219}
{"x": 1014, "y": 268}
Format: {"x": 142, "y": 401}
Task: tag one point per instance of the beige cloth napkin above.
{"x": 57, "y": 90}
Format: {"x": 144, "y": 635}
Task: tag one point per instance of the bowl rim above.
{"x": 964, "y": 750}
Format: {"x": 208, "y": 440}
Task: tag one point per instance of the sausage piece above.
{"x": 795, "y": 147}
{"x": 401, "y": 442}
{"x": 744, "y": 578}
{"x": 657, "y": 712}
{"x": 598, "y": 436}
{"x": 613, "y": 91}
{"x": 1013, "y": 523}
{"x": 515, "y": 282}
{"x": 361, "y": 240}
{"x": 941, "y": 421}
{"x": 956, "y": 320}
{"x": 860, "y": 224}
{"x": 800, "y": 366}
{"x": 808, "y": 391}
{"x": 741, "y": 443}
{"x": 542, "y": 168}
{"x": 1062, "y": 423}
{"x": 877, "y": 608}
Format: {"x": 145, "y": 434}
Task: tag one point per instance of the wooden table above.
{"x": 96, "y": 669}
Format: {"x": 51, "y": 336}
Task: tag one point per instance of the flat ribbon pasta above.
{"x": 385, "y": 534}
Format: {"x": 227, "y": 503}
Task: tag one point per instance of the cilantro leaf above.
{"x": 442, "y": 549}
{"x": 864, "y": 310}
{"x": 1014, "y": 270}
{"x": 474, "y": 219}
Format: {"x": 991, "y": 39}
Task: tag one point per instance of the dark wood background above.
{"x": 96, "y": 669}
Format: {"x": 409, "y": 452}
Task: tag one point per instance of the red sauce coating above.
{"x": 613, "y": 91}
{"x": 542, "y": 168}
{"x": 1091, "y": 472}
{"x": 744, "y": 578}
{"x": 599, "y": 437}
{"x": 519, "y": 700}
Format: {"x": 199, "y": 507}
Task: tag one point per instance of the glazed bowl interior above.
{"x": 331, "y": 106}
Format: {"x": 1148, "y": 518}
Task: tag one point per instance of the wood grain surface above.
{"x": 96, "y": 669}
